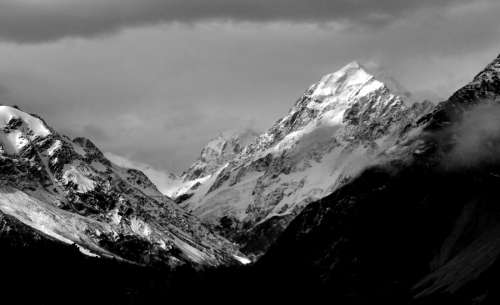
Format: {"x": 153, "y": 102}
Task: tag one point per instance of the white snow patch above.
{"x": 243, "y": 260}
{"x": 182, "y": 187}
{"x": 86, "y": 251}
{"x": 15, "y": 140}
{"x": 71, "y": 173}
{"x": 54, "y": 147}
{"x": 139, "y": 227}
{"x": 115, "y": 217}
{"x": 27, "y": 210}
{"x": 165, "y": 182}
{"x": 370, "y": 87}
{"x": 352, "y": 75}
{"x": 191, "y": 252}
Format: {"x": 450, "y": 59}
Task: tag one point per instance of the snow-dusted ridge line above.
{"x": 335, "y": 130}
{"x": 68, "y": 190}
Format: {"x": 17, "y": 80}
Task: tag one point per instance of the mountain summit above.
{"x": 421, "y": 226}
{"x": 334, "y": 130}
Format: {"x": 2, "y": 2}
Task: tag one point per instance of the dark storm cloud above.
{"x": 37, "y": 21}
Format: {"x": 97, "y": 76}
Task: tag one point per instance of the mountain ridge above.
{"x": 419, "y": 228}
{"x": 69, "y": 190}
{"x": 340, "y": 121}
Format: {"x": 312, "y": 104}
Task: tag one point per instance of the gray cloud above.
{"x": 94, "y": 132}
{"x": 161, "y": 179}
{"x": 477, "y": 136}
{"x": 38, "y": 21}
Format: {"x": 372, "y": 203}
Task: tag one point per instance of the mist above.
{"x": 477, "y": 136}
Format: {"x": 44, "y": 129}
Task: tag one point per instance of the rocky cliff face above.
{"x": 421, "y": 227}
{"x": 482, "y": 89}
{"x": 69, "y": 191}
{"x": 335, "y": 130}
{"x": 218, "y": 152}
{"x": 215, "y": 155}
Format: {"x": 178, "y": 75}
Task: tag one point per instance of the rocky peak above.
{"x": 351, "y": 75}
{"x": 336, "y": 98}
{"x": 333, "y": 131}
{"x": 484, "y": 87}
{"x": 447, "y": 211}
{"x": 351, "y": 79}
{"x": 18, "y": 129}
{"x": 218, "y": 151}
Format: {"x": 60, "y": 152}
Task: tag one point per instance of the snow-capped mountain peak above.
{"x": 219, "y": 151}
{"x": 335, "y": 100}
{"x": 351, "y": 75}
{"x": 354, "y": 78}
{"x": 332, "y": 132}
{"x": 484, "y": 86}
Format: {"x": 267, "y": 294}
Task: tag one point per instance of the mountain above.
{"x": 335, "y": 130}
{"x": 408, "y": 210}
{"x": 220, "y": 150}
{"x": 420, "y": 227}
{"x": 68, "y": 191}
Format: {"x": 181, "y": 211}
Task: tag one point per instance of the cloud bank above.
{"x": 39, "y": 21}
{"x": 164, "y": 181}
{"x": 477, "y": 136}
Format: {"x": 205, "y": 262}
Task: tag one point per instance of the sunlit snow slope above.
{"x": 336, "y": 129}
{"x": 68, "y": 190}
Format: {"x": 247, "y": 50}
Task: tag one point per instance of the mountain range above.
{"x": 360, "y": 194}
{"x": 69, "y": 191}
{"x": 335, "y": 130}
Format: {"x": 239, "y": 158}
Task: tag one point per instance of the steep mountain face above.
{"x": 335, "y": 130}
{"x": 219, "y": 151}
{"x": 69, "y": 191}
{"x": 420, "y": 227}
{"x": 483, "y": 88}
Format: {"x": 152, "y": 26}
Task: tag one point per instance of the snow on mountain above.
{"x": 216, "y": 154}
{"x": 68, "y": 190}
{"x": 336, "y": 129}
{"x": 483, "y": 87}
{"x": 18, "y": 129}
{"x": 164, "y": 181}
{"x": 419, "y": 225}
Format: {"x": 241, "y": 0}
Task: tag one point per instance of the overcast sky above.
{"x": 153, "y": 80}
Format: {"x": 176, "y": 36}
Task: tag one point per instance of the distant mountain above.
{"x": 334, "y": 131}
{"x": 68, "y": 191}
{"x": 422, "y": 226}
{"x": 216, "y": 154}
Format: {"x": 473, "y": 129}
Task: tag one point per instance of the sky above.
{"x": 151, "y": 81}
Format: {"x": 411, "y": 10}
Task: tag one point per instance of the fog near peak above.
{"x": 477, "y": 136}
